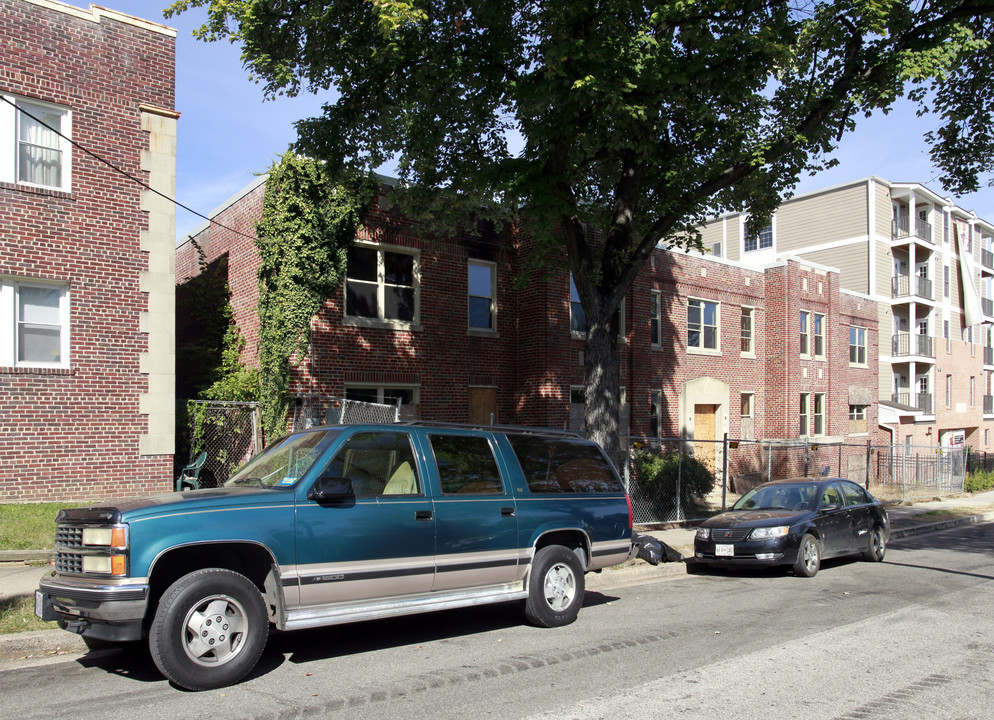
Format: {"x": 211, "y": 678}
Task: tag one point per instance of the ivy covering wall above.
{"x": 309, "y": 219}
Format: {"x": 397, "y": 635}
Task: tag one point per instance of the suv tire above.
{"x": 555, "y": 587}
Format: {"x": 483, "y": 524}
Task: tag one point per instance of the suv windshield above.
{"x": 285, "y": 461}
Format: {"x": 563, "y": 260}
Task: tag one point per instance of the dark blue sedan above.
{"x": 795, "y": 522}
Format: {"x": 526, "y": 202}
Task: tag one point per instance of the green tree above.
{"x": 638, "y": 120}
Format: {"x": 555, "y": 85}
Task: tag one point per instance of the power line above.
{"x": 125, "y": 173}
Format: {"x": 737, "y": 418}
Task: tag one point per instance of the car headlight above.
{"x": 703, "y": 533}
{"x": 769, "y": 532}
{"x": 105, "y": 537}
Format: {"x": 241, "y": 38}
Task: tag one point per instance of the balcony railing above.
{"x": 989, "y": 356}
{"x": 922, "y": 401}
{"x": 907, "y": 344}
{"x": 987, "y": 305}
{"x": 988, "y": 404}
{"x": 902, "y": 286}
{"x": 901, "y": 228}
{"x": 987, "y": 259}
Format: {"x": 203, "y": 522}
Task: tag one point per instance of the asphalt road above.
{"x": 911, "y": 637}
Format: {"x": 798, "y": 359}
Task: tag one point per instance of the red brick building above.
{"x": 708, "y": 347}
{"x": 86, "y": 254}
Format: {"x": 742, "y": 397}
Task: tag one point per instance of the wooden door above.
{"x": 482, "y": 403}
{"x": 704, "y": 430}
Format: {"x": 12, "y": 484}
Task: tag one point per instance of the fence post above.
{"x": 807, "y": 458}
{"x": 867, "y": 465}
{"x": 724, "y": 471}
{"x": 679, "y": 477}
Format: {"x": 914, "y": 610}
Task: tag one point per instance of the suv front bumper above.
{"x": 93, "y": 608}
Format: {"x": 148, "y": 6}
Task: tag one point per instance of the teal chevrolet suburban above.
{"x": 340, "y": 524}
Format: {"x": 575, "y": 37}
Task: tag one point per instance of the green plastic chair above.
{"x": 189, "y": 476}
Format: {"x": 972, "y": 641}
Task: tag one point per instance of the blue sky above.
{"x": 227, "y": 134}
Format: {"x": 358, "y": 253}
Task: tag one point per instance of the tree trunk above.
{"x": 602, "y": 388}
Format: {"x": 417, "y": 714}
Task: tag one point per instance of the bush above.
{"x": 656, "y": 477}
{"x": 979, "y": 481}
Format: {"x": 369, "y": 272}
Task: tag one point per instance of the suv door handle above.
{"x": 507, "y": 512}
{"x": 422, "y": 514}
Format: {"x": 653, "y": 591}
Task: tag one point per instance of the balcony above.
{"x": 987, "y": 305}
{"x": 989, "y": 356}
{"x": 901, "y": 228}
{"x": 987, "y": 260}
{"x": 910, "y": 286}
{"x": 906, "y": 344}
{"x": 922, "y": 401}
{"x": 988, "y": 404}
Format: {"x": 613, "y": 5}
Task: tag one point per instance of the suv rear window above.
{"x": 564, "y": 465}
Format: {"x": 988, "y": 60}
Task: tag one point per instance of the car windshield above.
{"x": 786, "y": 496}
{"x": 285, "y": 461}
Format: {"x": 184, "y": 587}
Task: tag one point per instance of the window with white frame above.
{"x": 803, "y": 415}
{"x": 702, "y": 324}
{"x": 812, "y": 414}
{"x": 760, "y": 242}
{"x": 818, "y": 414}
{"x": 987, "y": 438}
{"x": 805, "y": 332}
{"x": 381, "y": 285}
{"x": 973, "y": 391}
{"x": 655, "y": 315}
{"x": 482, "y": 285}
{"x": 747, "y": 401}
{"x": 949, "y": 391}
{"x": 716, "y": 249}
{"x": 857, "y": 346}
{"x": 857, "y": 419}
{"x": 746, "y": 333}
{"x": 38, "y": 152}
{"x": 818, "y": 331}
{"x": 34, "y": 320}
{"x": 945, "y": 281}
{"x": 383, "y": 394}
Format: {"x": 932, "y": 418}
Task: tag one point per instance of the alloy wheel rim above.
{"x": 214, "y": 631}
{"x": 560, "y": 587}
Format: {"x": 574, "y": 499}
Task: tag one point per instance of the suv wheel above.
{"x": 209, "y": 630}
{"x": 555, "y": 587}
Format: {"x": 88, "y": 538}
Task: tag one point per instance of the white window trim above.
{"x": 472, "y": 329}
{"x": 382, "y": 322}
{"x": 824, "y": 335}
{"x": 693, "y": 350}
{"x": 380, "y": 389}
{"x": 9, "y": 124}
{"x": 866, "y": 356}
{"x": 8, "y": 322}
{"x": 752, "y": 332}
{"x": 807, "y": 333}
{"x": 752, "y": 403}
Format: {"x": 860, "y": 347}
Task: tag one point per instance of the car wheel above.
{"x": 808, "y": 556}
{"x": 555, "y": 587}
{"x": 209, "y": 630}
{"x": 877, "y": 547}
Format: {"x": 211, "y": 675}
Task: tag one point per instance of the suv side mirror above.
{"x": 329, "y": 489}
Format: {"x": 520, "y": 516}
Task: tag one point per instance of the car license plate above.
{"x": 724, "y": 550}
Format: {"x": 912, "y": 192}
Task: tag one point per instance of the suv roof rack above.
{"x": 521, "y": 429}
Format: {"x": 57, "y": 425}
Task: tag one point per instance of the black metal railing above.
{"x": 922, "y": 401}
{"x": 901, "y": 228}
{"x": 987, "y": 259}
{"x": 907, "y": 344}
{"x": 910, "y": 286}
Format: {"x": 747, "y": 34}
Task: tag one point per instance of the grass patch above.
{"x": 29, "y": 526}
{"x": 18, "y": 615}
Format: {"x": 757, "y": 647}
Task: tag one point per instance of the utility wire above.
{"x": 126, "y": 174}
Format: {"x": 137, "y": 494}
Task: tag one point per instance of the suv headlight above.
{"x": 769, "y": 532}
{"x": 111, "y": 545}
{"x": 114, "y": 537}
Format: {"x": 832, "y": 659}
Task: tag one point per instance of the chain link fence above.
{"x": 676, "y": 480}
{"x": 228, "y": 433}
{"x": 311, "y": 410}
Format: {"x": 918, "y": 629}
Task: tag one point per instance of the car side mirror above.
{"x": 329, "y": 488}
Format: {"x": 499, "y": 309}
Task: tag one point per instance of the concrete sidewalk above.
{"x": 21, "y": 571}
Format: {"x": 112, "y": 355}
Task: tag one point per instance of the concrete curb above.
{"x": 912, "y": 530}
{"x": 26, "y": 555}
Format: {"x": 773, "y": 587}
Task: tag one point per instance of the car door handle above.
{"x": 507, "y": 512}
{"x": 422, "y": 514}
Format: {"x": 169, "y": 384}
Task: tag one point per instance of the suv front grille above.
{"x": 67, "y": 562}
{"x": 729, "y": 534}
{"x": 68, "y": 536}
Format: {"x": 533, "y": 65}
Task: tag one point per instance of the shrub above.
{"x": 979, "y": 481}
{"x": 656, "y": 477}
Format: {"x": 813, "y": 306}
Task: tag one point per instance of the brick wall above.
{"x": 73, "y": 433}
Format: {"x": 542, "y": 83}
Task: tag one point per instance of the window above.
{"x": 377, "y": 464}
{"x": 746, "y": 333}
{"x": 945, "y": 281}
{"x": 382, "y": 394}
{"x": 945, "y": 334}
{"x": 762, "y": 241}
{"x": 804, "y": 329}
{"x": 857, "y": 346}
{"x": 747, "y": 403}
{"x": 973, "y": 391}
{"x": 949, "y": 391}
{"x": 381, "y": 285}
{"x": 466, "y": 465}
{"x": 655, "y": 313}
{"x": 857, "y": 419}
{"x": 702, "y": 324}
{"x": 987, "y": 438}
{"x": 716, "y": 249}
{"x": 41, "y": 154}
{"x": 482, "y": 283}
{"x": 945, "y": 227}
{"x": 563, "y": 465}
{"x": 655, "y": 411}
{"x": 819, "y": 335}
{"x": 812, "y": 414}
{"x": 819, "y": 414}
{"x": 803, "y": 424}
{"x": 34, "y": 320}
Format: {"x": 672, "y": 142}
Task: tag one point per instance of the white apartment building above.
{"x": 929, "y": 265}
